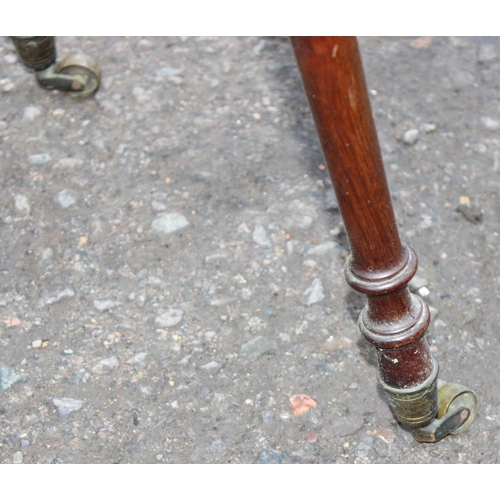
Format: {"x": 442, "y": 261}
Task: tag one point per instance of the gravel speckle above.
{"x": 315, "y": 293}
{"x": 411, "y": 136}
{"x": 260, "y": 237}
{"x": 65, "y": 199}
{"x": 167, "y": 224}
{"x": 171, "y": 317}
{"x": 65, "y": 406}
{"x": 39, "y": 159}
{"x": 257, "y": 347}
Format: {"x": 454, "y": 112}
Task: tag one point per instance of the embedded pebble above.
{"x": 486, "y": 53}
{"x": 39, "y": 159}
{"x": 257, "y": 347}
{"x": 169, "y": 223}
{"x": 65, "y": 406}
{"x": 211, "y": 367}
{"x": 140, "y": 94}
{"x": 106, "y": 364}
{"x": 315, "y": 293}
{"x": 105, "y": 305}
{"x": 17, "y": 458}
{"x": 3, "y": 124}
{"x": 158, "y": 206}
{"x": 22, "y": 204}
{"x": 331, "y": 202}
{"x": 58, "y": 295}
{"x": 7, "y": 87}
{"x": 137, "y": 359}
{"x": 490, "y": 123}
{"x": 260, "y": 237}
{"x": 344, "y": 426}
{"x": 410, "y": 136}
{"x": 324, "y": 248}
{"x": 167, "y": 71}
{"x": 365, "y": 443}
{"x": 65, "y": 199}
{"x": 271, "y": 456}
{"x": 170, "y": 318}
{"x": 417, "y": 282}
{"x": 471, "y": 213}
{"x": 8, "y": 377}
{"x": 69, "y": 163}
{"x": 428, "y": 127}
{"x": 31, "y": 112}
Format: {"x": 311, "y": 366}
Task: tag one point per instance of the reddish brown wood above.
{"x": 380, "y": 265}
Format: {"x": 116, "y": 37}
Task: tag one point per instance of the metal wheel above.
{"x": 85, "y": 67}
{"x": 451, "y": 397}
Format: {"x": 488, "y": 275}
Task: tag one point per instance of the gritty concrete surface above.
{"x": 171, "y": 284}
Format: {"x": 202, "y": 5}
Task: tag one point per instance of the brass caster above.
{"x": 85, "y": 72}
{"x": 451, "y": 397}
{"x": 457, "y": 408}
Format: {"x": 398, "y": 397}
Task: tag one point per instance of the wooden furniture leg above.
{"x": 394, "y": 320}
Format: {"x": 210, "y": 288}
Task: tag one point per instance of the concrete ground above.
{"x": 171, "y": 254}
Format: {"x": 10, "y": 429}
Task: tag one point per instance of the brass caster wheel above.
{"x": 86, "y": 72}
{"x": 454, "y": 396}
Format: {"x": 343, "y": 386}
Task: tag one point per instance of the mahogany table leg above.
{"x": 380, "y": 265}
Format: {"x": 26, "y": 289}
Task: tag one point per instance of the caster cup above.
{"x": 452, "y": 397}
{"x": 84, "y": 70}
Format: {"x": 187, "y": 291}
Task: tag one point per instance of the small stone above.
{"x": 10, "y": 58}
{"x": 106, "y": 365}
{"x": 137, "y": 358}
{"x": 365, "y": 443}
{"x": 471, "y": 213}
{"x": 58, "y": 295}
{"x": 65, "y": 199}
{"x": 8, "y": 377}
{"x": 17, "y": 457}
{"x": 39, "y": 159}
{"x": 410, "y": 136}
{"x": 141, "y": 95}
{"x": 260, "y": 237}
{"x": 7, "y": 87}
{"x": 267, "y": 416}
{"x": 211, "y": 367}
{"x": 22, "y": 204}
{"x": 167, "y": 224}
{"x": 170, "y": 318}
{"x": 335, "y": 342}
{"x": 36, "y": 344}
{"x": 167, "y": 71}
{"x": 257, "y": 347}
{"x": 69, "y": 163}
{"x": 487, "y": 52}
{"x": 31, "y": 112}
{"x": 312, "y": 437}
{"x": 345, "y": 426}
{"x": 315, "y": 293}
{"x": 324, "y": 248}
{"x": 158, "y": 206}
{"x": 65, "y": 406}
{"x": 271, "y": 456}
{"x": 302, "y": 403}
{"x": 417, "y": 282}
{"x": 428, "y": 127}
{"x": 331, "y": 202}
{"x": 490, "y": 123}
{"x": 209, "y": 336}
{"x": 309, "y": 263}
{"x": 423, "y": 292}
{"x": 105, "y": 305}
{"x": 3, "y": 124}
